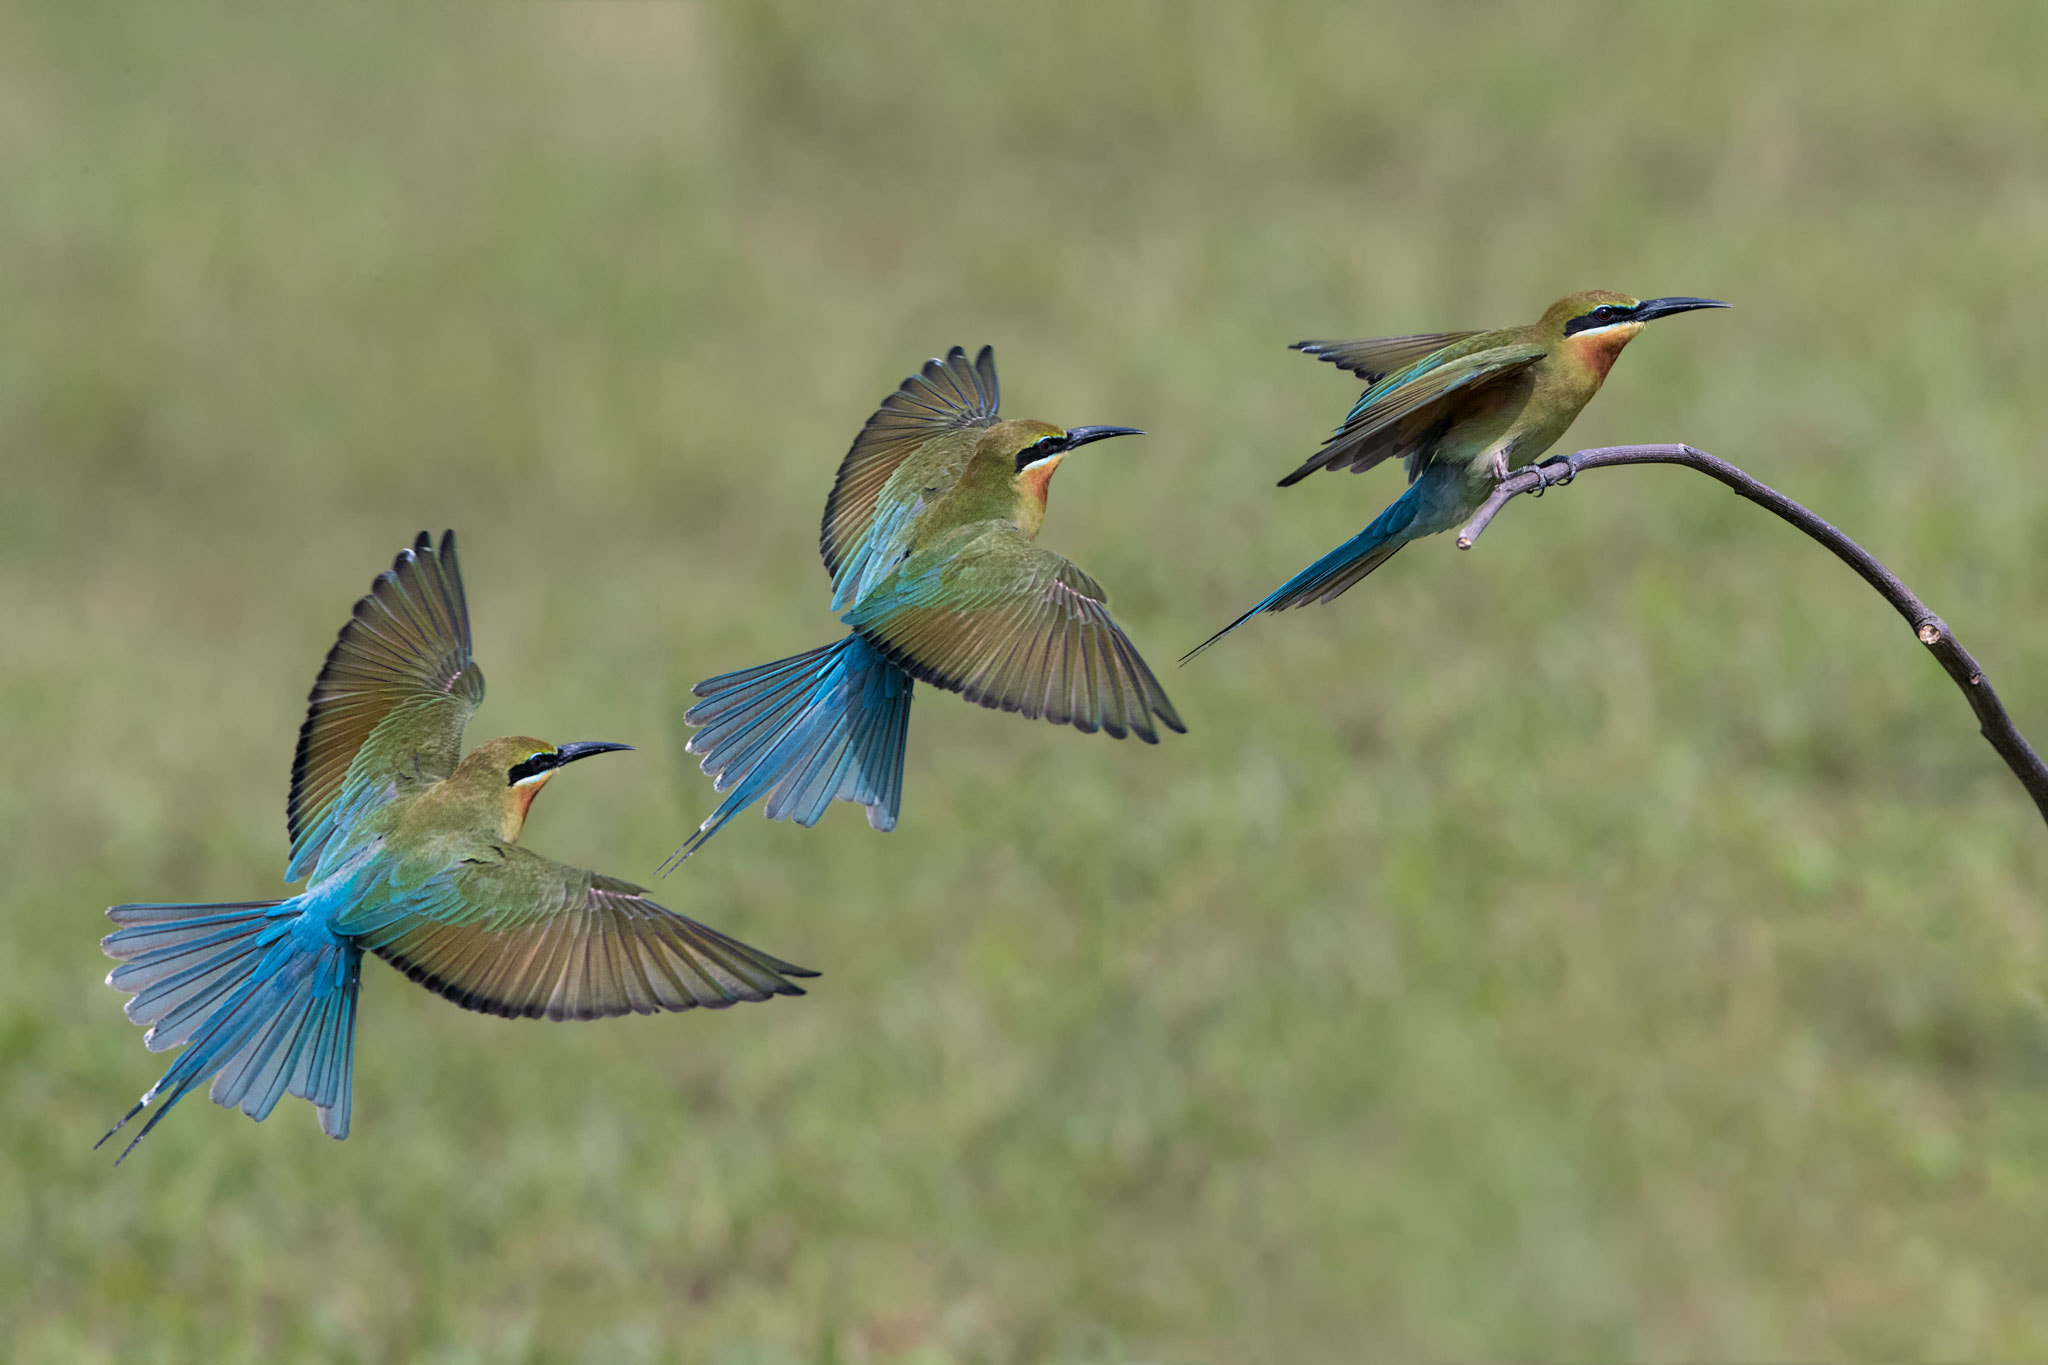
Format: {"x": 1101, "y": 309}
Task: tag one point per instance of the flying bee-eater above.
{"x": 412, "y": 855}
{"x": 1460, "y": 408}
{"x": 929, "y": 537}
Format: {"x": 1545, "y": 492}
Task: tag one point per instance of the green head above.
{"x": 1593, "y": 326}
{"x": 502, "y": 776}
{"x": 1032, "y": 450}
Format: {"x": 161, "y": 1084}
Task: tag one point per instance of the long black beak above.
{"x": 1658, "y": 308}
{"x": 1081, "y": 436}
{"x": 584, "y": 748}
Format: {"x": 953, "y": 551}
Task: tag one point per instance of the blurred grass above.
{"x": 1612, "y": 943}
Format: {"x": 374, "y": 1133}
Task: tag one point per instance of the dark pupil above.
{"x": 519, "y": 771}
{"x": 1038, "y": 450}
{"x": 1607, "y": 310}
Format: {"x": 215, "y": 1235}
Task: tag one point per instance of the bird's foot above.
{"x": 1550, "y": 474}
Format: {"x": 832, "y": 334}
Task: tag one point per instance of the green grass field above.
{"x": 1614, "y": 942}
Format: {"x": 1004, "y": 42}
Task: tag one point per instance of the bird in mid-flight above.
{"x": 929, "y": 538}
{"x": 410, "y": 851}
{"x": 1460, "y": 408}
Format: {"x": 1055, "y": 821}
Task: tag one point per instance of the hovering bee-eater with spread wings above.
{"x": 1460, "y": 408}
{"x": 929, "y": 538}
{"x": 410, "y": 851}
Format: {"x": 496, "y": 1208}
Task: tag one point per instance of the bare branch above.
{"x": 1933, "y": 632}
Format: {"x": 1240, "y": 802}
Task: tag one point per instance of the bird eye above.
{"x": 1042, "y": 448}
{"x": 1605, "y": 310}
{"x": 532, "y": 766}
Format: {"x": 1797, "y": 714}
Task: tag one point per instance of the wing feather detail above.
{"x": 391, "y": 700}
{"x": 1374, "y": 358}
{"x": 1401, "y": 414}
{"x": 949, "y": 394}
{"x": 527, "y": 937}
{"x": 1013, "y": 627}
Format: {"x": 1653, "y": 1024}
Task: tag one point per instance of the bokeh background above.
{"x": 1613, "y": 942}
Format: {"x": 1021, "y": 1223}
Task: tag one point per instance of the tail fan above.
{"x": 263, "y": 1001}
{"x": 1336, "y": 572}
{"x": 825, "y": 725}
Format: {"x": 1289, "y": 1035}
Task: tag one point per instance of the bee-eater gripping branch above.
{"x": 1459, "y": 408}
{"x": 929, "y": 538}
{"x": 413, "y": 855}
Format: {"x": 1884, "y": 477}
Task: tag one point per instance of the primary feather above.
{"x": 411, "y": 854}
{"x": 927, "y": 535}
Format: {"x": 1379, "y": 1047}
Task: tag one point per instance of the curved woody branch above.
{"x": 1931, "y": 630}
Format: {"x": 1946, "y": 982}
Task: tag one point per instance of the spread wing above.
{"x": 1403, "y": 414}
{"x": 524, "y": 936}
{"x": 391, "y": 700}
{"x": 1009, "y": 625}
{"x": 947, "y": 395}
{"x": 1374, "y": 358}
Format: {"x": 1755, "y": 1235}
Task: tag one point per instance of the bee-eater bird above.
{"x": 414, "y": 856}
{"x": 1459, "y": 407}
{"x": 929, "y": 539}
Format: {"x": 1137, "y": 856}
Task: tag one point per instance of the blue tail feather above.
{"x": 1337, "y": 571}
{"x": 801, "y": 732}
{"x": 261, "y": 994}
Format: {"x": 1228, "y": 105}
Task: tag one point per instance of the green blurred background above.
{"x": 1614, "y": 942}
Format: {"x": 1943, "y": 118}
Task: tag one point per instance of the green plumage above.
{"x": 388, "y": 708}
{"x": 411, "y": 854}
{"x": 1458, "y": 408}
{"x": 951, "y": 586}
{"x": 458, "y": 905}
{"x": 928, "y": 535}
{"x": 1473, "y": 390}
{"x": 930, "y": 424}
{"x": 517, "y": 934}
{"x": 985, "y": 613}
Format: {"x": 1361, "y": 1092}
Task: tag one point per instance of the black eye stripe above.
{"x": 532, "y": 767}
{"x": 1602, "y": 316}
{"x": 1039, "y": 449}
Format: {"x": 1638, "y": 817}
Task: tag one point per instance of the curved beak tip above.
{"x": 1081, "y": 436}
{"x": 587, "y": 748}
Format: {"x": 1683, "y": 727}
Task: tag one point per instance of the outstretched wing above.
{"x": 947, "y": 395}
{"x": 1374, "y": 358}
{"x": 391, "y": 700}
{"x": 1012, "y": 626}
{"x": 524, "y": 936}
{"x": 1401, "y": 414}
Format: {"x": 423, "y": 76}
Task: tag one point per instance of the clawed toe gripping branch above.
{"x": 1929, "y": 629}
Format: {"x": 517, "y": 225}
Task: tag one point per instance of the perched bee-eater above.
{"x": 412, "y": 855}
{"x": 928, "y": 536}
{"x": 1459, "y": 407}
